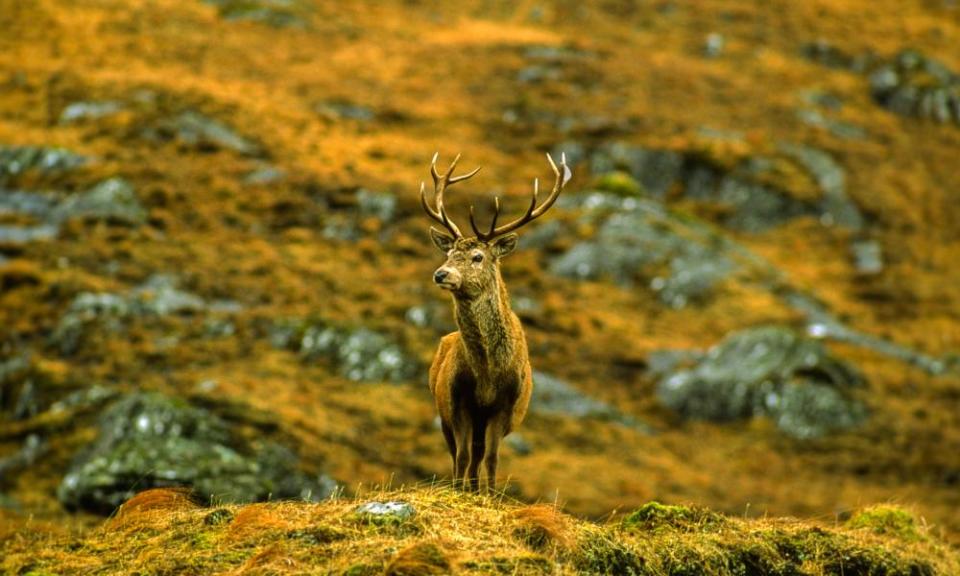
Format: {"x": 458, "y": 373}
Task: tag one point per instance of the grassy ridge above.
{"x": 165, "y": 532}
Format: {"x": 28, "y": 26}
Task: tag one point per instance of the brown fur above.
{"x": 481, "y": 377}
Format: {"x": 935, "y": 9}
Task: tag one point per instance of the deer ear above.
{"x": 504, "y": 245}
{"x": 443, "y": 241}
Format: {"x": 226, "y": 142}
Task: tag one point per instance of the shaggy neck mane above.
{"x": 486, "y": 328}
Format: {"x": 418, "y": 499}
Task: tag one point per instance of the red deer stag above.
{"x": 480, "y": 377}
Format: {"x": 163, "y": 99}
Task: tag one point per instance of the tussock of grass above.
{"x": 163, "y": 531}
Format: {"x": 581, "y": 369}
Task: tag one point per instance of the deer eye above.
{"x": 478, "y": 257}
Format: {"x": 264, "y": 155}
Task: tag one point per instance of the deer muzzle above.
{"x": 447, "y": 278}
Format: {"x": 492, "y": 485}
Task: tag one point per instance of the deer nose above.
{"x": 439, "y": 276}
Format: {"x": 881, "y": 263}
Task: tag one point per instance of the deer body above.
{"x": 480, "y": 377}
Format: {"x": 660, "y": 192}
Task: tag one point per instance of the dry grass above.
{"x": 461, "y": 533}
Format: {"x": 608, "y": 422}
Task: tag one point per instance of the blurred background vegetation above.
{"x": 214, "y": 270}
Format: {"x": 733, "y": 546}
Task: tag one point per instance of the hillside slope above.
{"x": 748, "y": 297}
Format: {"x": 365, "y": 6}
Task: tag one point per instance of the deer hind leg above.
{"x": 451, "y": 444}
{"x": 461, "y": 434}
{"x": 477, "y": 448}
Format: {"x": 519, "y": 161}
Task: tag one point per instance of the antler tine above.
{"x": 493, "y": 224}
{"x": 440, "y": 184}
{"x": 534, "y": 211}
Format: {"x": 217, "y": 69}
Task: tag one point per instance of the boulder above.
{"x": 639, "y": 241}
{"x": 553, "y": 396}
{"x": 16, "y": 160}
{"x": 912, "y": 84}
{"x": 359, "y": 353}
{"x": 113, "y": 200}
{"x": 276, "y": 13}
{"x": 769, "y": 371}
{"x": 148, "y": 440}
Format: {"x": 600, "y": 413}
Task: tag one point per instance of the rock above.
{"x": 821, "y": 323}
{"x": 84, "y": 111}
{"x": 27, "y": 234}
{"x": 276, "y": 13}
{"x": 867, "y": 256}
{"x": 826, "y": 54}
{"x": 33, "y": 204}
{"x": 264, "y": 175}
{"x": 380, "y": 205}
{"x": 341, "y": 110}
{"x": 391, "y": 512}
{"x": 618, "y": 183}
{"x": 434, "y": 315}
{"x": 158, "y": 296}
{"x": 113, "y": 200}
{"x": 33, "y": 448}
{"x": 359, "y": 354}
{"x": 641, "y": 242}
{"x": 713, "y": 45}
{"x": 19, "y": 388}
{"x": 148, "y": 440}
{"x": 203, "y": 133}
{"x": 538, "y": 74}
{"x": 915, "y": 85}
{"x": 692, "y": 278}
{"x": 656, "y": 170}
{"x": 16, "y": 160}
{"x": 830, "y": 177}
{"x": 845, "y": 130}
{"x": 348, "y": 214}
{"x": 553, "y": 396}
{"x": 749, "y": 200}
{"x": 518, "y": 444}
{"x": 773, "y": 372}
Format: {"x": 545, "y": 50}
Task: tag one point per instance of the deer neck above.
{"x": 487, "y": 330}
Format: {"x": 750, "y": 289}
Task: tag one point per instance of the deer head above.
{"x": 472, "y": 265}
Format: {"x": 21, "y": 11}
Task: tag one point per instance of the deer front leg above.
{"x": 477, "y": 450}
{"x": 496, "y": 430}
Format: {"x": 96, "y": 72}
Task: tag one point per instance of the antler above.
{"x": 534, "y": 211}
{"x": 440, "y": 184}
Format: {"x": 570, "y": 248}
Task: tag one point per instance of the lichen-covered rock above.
{"x": 19, "y": 388}
{"x": 359, "y": 213}
{"x": 203, "y": 133}
{"x": 113, "y": 200}
{"x": 84, "y": 111}
{"x": 746, "y": 192}
{"x": 768, "y": 371}
{"x": 148, "y": 440}
{"x": 639, "y": 241}
{"x": 341, "y": 110}
{"x": 867, "y": 256}
{"x": 16, "y": 160}
{"x": 32, "y": 449}
{"x": 391, "y": 512}
{"x": 915, "y": 85}
{"x": 359, "y": 354}
{"x": 158, "y": 296}
{"x": 553, "y": 396}
{"x": 276, "y": 13}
